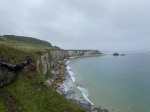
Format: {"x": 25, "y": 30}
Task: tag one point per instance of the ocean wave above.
{"x": 72, "y": 75}
{"x": 67, "y": 61}
{"x": 85, "y": 94}
{"x": 66, "y": 88}
{"x": 68, "y": 68}
{"x": 129, "y": 107}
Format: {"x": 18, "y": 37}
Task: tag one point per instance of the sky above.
{"x": 122, "y": 25}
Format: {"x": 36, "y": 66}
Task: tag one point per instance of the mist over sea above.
{"x": 117, "y": 83}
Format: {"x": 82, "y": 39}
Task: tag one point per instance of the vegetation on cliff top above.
{"x": 25, "y": 43}
{"x": 30, "y": 91}
{"x": 28, "y": 40}
{"x": 15, "y": 49}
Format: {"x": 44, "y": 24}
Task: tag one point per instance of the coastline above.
{"x": 73, "y": 91}
{"x": 93, "y": 55}
{"x": 69, "y": 89}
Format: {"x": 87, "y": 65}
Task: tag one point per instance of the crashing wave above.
{"x": 85, "y": 94}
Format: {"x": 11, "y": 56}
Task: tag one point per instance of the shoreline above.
{"x": 72, "y": 90}
{"x": 69, "y": 89}
{"x": 94, "y": 55}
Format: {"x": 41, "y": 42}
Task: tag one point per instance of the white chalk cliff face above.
{"x": 73, "y": 53}
{"x": 50, "y": 59}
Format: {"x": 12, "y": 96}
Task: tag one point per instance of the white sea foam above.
{"x": 67, "y": 61}
{"x": 68, "y": 84}
{"x": 68, "y": 68}
{"x": 72, "y": 75}
{"x": 129, "y": 107}
{"x": 85, "y": 94}
{"x": 66, "y": 87}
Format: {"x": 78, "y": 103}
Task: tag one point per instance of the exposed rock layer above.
{"x": 9, "y": 72}
{"x": 53, "y": 61}
{"x": 48, "y": 61}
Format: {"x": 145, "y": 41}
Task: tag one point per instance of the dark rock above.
{"x": 116, "y": 54}
{"x": 9, "y": 72}
{"x": 123, "y": 54}
{"x": 104, "y": 110}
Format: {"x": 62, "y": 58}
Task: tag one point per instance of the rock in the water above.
{"x": 116, "y": 54}
{"x": 123, "y": 54}
{"x": 104, "y": 110}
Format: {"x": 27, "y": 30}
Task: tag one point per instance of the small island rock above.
{"x": 123, "y": 54}
{"x": 116, "y": 54}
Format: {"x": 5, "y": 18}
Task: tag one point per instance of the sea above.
{"x": 116, "y": 83}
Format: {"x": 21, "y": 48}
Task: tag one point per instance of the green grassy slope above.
{"x": 28, "y": 40}
{"x": 3, "y": 107}
{"x": 30, "y": 90}
{"x": 25, "y": 43}
{"x": 33, "y": 96}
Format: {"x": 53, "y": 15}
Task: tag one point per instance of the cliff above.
{"x": 49, "y": 60}
{"x": 25, "y": 65}
{"x": 55, "y": 62}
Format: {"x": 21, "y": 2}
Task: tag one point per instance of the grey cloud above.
{"x": 80, "y": 24}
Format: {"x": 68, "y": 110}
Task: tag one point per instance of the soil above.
{"x": 9, "y": 102}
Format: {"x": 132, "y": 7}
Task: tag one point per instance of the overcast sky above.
{"x": 80, "y": 24}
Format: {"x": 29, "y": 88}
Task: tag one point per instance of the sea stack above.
{"x": 116, "y": 54}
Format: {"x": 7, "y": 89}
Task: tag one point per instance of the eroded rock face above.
{"x": 59, "y": 54}
{"x": 91, "y": 52}
{"x": 9, "y": 72}
{"x": 51, "y": 59}
{"x": 45, "y": 63}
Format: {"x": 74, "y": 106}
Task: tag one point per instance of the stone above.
{"x": 116, "y": 54}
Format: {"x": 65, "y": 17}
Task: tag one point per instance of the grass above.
{"x": 33, "y": 96}
{"x": 24, "y": 46}
{"x": 49, "y": 74}
{"x": 17, "y": 51}
{"x": 3, "y": 107}
{"x": 27, "y": 40}
{"x": 12, "y": 55}
{"x": 32, "y": 93}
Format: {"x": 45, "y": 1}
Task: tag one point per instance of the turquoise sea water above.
{"x": 119, "y": 84}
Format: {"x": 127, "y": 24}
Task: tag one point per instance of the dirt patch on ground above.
{"x": 9, "y": 101}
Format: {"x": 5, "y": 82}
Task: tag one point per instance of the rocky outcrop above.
{"x": 44, "y": 63}
{"x": 9, "y": 72}
{"x": 59, "y": 54}
{"x": 55, "y": 62}
{"x": 52, "y": 60}
{"x": 77, "y": 53}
